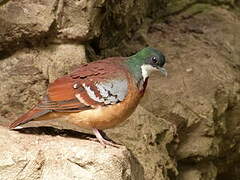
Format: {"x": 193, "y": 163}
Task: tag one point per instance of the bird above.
{"x": 98, "y": 95}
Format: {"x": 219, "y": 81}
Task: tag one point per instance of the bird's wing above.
{"x": 92, "y": 85}
{"x": 100, "y": 83}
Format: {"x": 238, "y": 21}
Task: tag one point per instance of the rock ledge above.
{"x": 31, "y": 157}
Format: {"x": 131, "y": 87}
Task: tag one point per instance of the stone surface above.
{"x": 200, "y": 96}
{"x": 25, "y": 75}
{"x": 204, "y": 170}
{"x": 76, "y": 19}
{"x": 32, "y": 156}
{"x": 148, "y": 137}
{"x": 187, "y": 123}
{"x": 24, "y": 22}
{"x": 30, "y": 23}
{"x": 121, "y": 21}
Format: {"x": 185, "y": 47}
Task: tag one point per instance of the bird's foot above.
{"x": 103, "y": 141}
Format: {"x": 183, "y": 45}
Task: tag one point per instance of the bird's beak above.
{"x": 163, "y": 70}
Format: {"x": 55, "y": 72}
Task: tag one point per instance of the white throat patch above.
{"x": 146, "y": 70}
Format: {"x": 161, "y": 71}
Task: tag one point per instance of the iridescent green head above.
{"x": 146, "y": 61}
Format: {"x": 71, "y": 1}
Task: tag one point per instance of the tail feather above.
{"x": 30, "y": 115}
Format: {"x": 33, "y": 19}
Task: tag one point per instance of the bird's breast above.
{"x": 104, "y": 117}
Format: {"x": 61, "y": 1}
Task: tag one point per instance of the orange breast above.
{"x": 108, "y": 116}
{"x": 102, "y": 117}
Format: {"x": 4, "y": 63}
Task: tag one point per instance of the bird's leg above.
{"x": 98, "y": 136}
{"x": 103, "y": 141}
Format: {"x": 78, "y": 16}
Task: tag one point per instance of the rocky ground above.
{"x": 187, "y": 126}
{"x": 64, "y": 156}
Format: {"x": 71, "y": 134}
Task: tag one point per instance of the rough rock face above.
{"x": 122, "y": 19}
{"x": 27, "y": 73}
{"x": 24, "y": 22}
{"x": 28, "y": 22}
{"x": 30, "y": 157}
{"x": 187, "y": 126}
{"x": 147, "y": 136}
{"x": 200, "y": 97}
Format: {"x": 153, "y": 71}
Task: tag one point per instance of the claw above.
{"x": 103, "y": 141}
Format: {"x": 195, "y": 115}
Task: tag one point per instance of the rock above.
{"x": 127, "y": 16}
{"x": 24, "y": 22}
{"x": 32, "y": 156}
{"x": 57, "y": 60}
{"x": 19, "y": 80}
{"x": 201, "y": 103}
{"x": 205, "y": 170}
{"x": 187, "y": 123}
{"x": 76, "y": 19}
{"x": 147, "y": 136}
{"x": 27, "y": 72}
{"x": 198, "y": 100}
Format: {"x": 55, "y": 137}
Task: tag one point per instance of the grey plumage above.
{"x": 111, "y": 91}
{"x": 92, "y": 94}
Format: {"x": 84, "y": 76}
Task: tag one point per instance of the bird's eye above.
{"x": 154, "y": 59}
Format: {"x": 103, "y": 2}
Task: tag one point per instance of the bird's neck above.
{"x": 135, "y": 67}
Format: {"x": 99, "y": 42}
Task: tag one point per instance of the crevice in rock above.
{"x": 52, "y": 131}
{"x": 93, "y": 51}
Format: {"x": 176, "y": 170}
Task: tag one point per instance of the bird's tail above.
{"x": 30, "y": 115}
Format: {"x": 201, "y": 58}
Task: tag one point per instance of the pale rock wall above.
{"x": 187, "y": 125}
{"x": 31, "y": 157}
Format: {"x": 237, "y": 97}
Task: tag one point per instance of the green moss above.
{"x": 219, "y": 2}
{"x": 196, "y": 9}
{"x": 176, "y": 6}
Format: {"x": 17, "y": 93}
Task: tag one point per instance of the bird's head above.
{"x": 148, "y": 60}
{"x": 153, "y": 60}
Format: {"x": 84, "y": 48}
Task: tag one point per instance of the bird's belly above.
{"x": 107, "y": 116}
